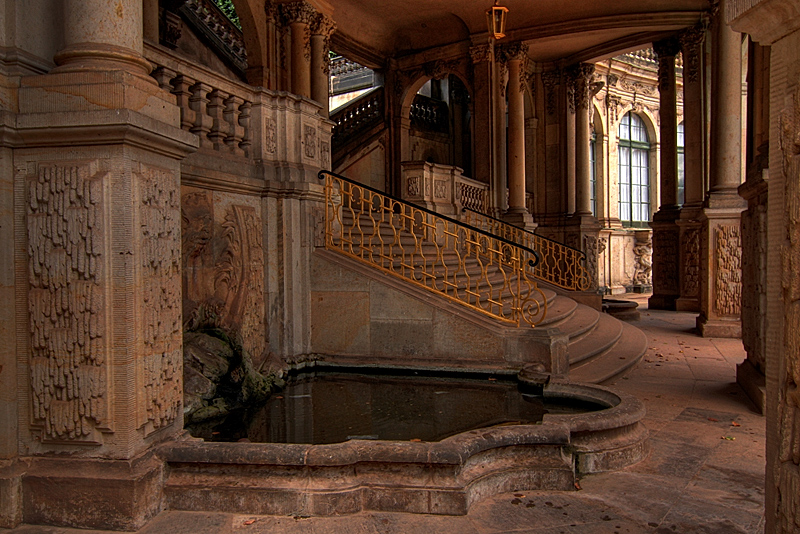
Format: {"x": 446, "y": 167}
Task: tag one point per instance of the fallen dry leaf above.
{"x": 249, "y": 522}
{"x": 734, "y": 423}
{"x": 712, "y": 419}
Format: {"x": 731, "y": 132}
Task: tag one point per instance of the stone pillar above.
{"x": 777, "y": 24}
{"x": 751, "y": 373}
{"x": 692, "y": 41}
{"x": 483, "y": 66}
{"x": 321, "y": 32}
{"x": 665, "y": 229}
{"x": 569, "y": 141}
{"x": 499, "y": 184}
{"x": 583, "y": 229}
{"x": 517, "y": 213}
{"x": 97, "y": 254}
{"x": 583, "y": 111}
{"x": 299, "y": 17}
{"x": 720, "y": 241}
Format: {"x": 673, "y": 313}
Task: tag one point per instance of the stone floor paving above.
{"x": 705, "y": 473}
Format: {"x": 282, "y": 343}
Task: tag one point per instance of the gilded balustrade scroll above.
{"x": 68, "y": 272}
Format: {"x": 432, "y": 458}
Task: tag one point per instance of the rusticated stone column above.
{"x": 321, "y": 32}
{"x": 666, "y": 257}
{"x": 517, "y": 213}
{"x": 694, "y": 168}
{"x": 299, "y": 17}
{"x": 720, "y": 242}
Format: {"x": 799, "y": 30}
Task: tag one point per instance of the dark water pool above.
{"x": 335, "y": 406}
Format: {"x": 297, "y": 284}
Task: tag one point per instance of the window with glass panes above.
{"x": 634, "y": 171}
{"x": 681, "y": 168}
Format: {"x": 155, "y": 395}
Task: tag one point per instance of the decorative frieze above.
{"x": 643, "y": 260}
{"x": 309, "y": 141}
{"x": 68, "y": 276}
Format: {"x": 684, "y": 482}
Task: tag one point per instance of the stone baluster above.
{"x": 181, "y": 88}
{"x": 164, "y": 77}
{"x": 233, "y": 140}
{"x": 198, "y": 102}
{"x": 244, "y": 121}
{"x": 219, "y": 126}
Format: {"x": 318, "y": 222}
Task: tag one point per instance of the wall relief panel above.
{"x": 68, "y": 273}
{"x": 728, "y": 279}
{"x": 161, "y": 385}
{"x": 223, "y": 262}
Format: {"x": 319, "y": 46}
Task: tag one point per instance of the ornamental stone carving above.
{"x": 223, "y": 268}
{"x": 666, "y": 50}
{"x": 68, "y": 273}
{"x": 309, "y": 141}
{"x": 665, "y": 260}
{"x": 728, "y": 275}
{"x": 692, "y": 41}
{"x": 551, "y": 80}
{"x": 161, "y": 330}
{"x": 691, "y": 262}
{"x": 643, "y": 260}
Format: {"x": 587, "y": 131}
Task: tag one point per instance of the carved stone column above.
{"x": 97, "y": 256}
{"x": 517, "y": 213}
{"x": 583, "y": 228}
{"x": 483, "y": 66}
{"x": 583, "y": 95}
{"x": 321, "y": 32}
{"x": 720, "y": 242}
{"x": 694, "y": 167}
{"x": 666, "y": 257}
{"x": 299, "y": 17}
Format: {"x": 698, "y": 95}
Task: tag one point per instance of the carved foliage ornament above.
{"x": 692, "y": 41}
{"x": 551, "y": 80}
{"x": 691, "y": 262}
{"x": 310, "y": 141}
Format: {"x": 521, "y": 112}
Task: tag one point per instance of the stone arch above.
{"x": 406, "y": 102}
{"x": 255, "y": 21}
{"x": 601, "y": 178}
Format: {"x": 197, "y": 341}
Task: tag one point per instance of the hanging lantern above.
{"x": 496, "y": 20}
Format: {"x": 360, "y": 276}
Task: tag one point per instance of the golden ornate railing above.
{"x": 559, "y": 264}
{"x": 487, "y": 273}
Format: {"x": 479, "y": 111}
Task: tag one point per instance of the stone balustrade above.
{"x": 212, "y": 107}
{"x": 358, "y": 116}
{"x": 442, "y": 188}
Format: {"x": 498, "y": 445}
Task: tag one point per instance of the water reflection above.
{"x": 332, "y": 407}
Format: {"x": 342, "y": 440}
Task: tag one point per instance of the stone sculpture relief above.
{"x": 691, "y": 262}
{"x": 224, "y": 269}
{"x": 665, "y": 260}
{"x": 68, "y": 275}
{"x": 728, "y": 279}
{"x": 643, "y": 262}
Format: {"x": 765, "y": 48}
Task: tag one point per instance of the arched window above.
{"x": 681, "y": 168}
{"x": 634, "y": 171}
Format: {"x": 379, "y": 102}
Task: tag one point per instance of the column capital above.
{"x": 692, "y": 40}
{"x": 323, "y": 25}
{"x": 512, "y": 52}
{"x": 298, "y": 12}
{"x": 580, "y": 77}
{"x": 667, "y": 48}
{"x": 666, "y": 51}
{"x": 481, "y": 53}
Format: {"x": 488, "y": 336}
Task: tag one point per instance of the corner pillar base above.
{"x": 124, "y": 495}
{"x": 729, "y": 328}
{"x": 754, "y": 384}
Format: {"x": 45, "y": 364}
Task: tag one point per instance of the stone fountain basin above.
{"x": 443, "y": 477}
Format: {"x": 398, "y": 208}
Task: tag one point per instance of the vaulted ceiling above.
{"x": 576, "y": 30}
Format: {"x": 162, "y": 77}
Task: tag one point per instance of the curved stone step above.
{"x": 615, "y": 361}
{"x": 580, "y": 322}
{"x": 606, "y": 332}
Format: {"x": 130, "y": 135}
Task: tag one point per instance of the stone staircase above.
{"x": 600, "y": 347}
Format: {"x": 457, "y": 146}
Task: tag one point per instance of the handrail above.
{"x": 559, "y": 264}
{"x": 471, "y": 266}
